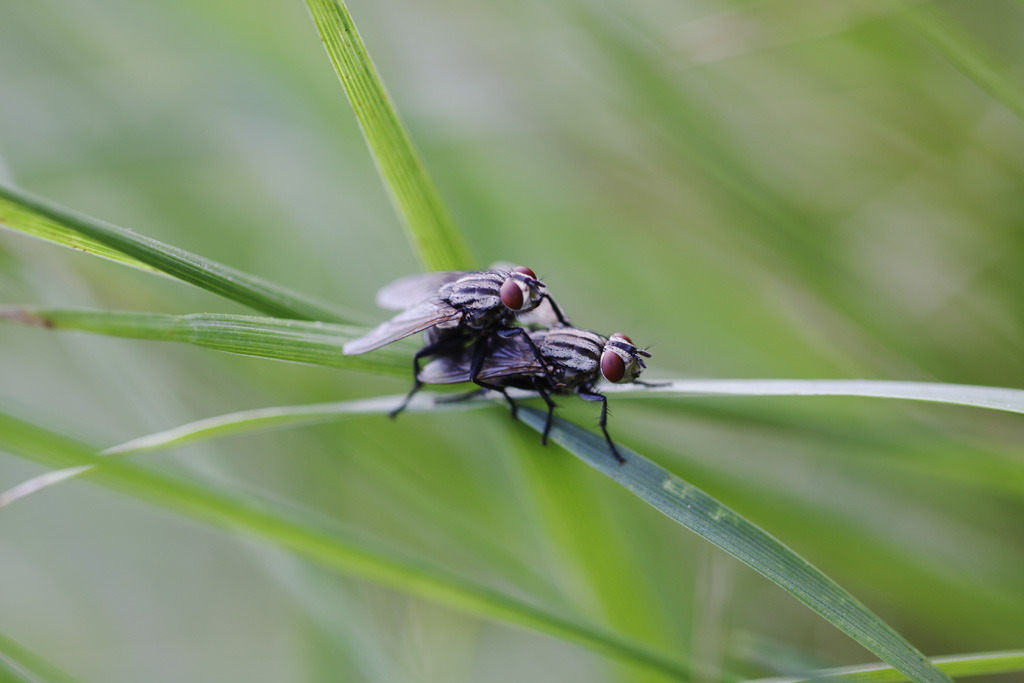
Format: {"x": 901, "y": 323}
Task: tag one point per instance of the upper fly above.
{"x": 467, "y": 302}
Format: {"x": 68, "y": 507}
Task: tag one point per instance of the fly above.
{"x": 459, "y": 312}
{"x": 571, "y": 360}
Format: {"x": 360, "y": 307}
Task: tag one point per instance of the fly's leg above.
{"x": 479, "y": 356}
{"x": 521, "y": 332}
{"x": 428, "y": 350}
{"x": 464, "y": 396}
{"x": 558, "y": 311}
{"x": 551, "y": 410}
{"x": 591, "y": 395}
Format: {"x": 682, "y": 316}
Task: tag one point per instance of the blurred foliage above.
{"x": 781, "y": 188}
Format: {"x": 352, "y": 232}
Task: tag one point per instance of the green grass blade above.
{"x": 976, "y": 664}
{"x": 996, "y": 398}
{"x": 17, "y": 663}
{"x": 25, "y": 213}
{"x": 243, "y": 422}
{"x": 723, "y": 527}
{"x": 250, "y": 421}
{"x": 434, "y": 236}
{"x": 333, "y": 548}
{"x": 296, "y": 341}
{"x": 969, "y": 56}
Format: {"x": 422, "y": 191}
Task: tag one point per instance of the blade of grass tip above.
{"x": 995, "y": 398}
{"x": 242, "y": 422}
{"x": 295, "y": 341}
{"x": 435, "y": 238}
{"x": 337, "y": 549}
{"x": 25, "y": 213}
{"x": 726, "y": 529}
{"x": 967, "y": 54}
{"x": 975, "y": 664}
{"x": 21, "y": 664}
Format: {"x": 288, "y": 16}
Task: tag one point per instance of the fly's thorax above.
{"x": 621, "y": 361}
{"x": 492, "y": 298}
{"x": 577, "y": 352}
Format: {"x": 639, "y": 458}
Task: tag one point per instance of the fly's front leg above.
{"x": 479, "y": 356}
{"x": 521, "y": 332}
{"x": 558, "y": 311}
{"x": 591, "y": 395}
{"x": 651, "y": 384}
{"x": 428, "y": 350}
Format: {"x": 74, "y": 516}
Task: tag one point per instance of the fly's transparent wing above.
{"x": 416, "y": 319}
{"x": 505, "y": 358}
{"x": 453, "y": 369}
{"x": 411, "y": 290}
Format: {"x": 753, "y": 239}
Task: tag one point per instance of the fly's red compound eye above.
{"x": 612, "y": 366}
{"x": 619, "y": 335}
{"x": 512, "y": 294}
{"x": 525, "y": 271}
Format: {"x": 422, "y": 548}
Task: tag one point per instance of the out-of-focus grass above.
{"x": 780, "y": 189}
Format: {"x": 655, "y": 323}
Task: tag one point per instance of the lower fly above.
{"x": 570, "y": 360}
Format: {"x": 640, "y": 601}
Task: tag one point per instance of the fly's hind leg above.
{"x": 428, "y": 350}
{"x": 591, "y": 395}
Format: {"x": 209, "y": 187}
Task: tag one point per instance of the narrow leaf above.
{"x": 976, "y": 664}
{"x": 243, "y": 422}
{"x": 25, "y": 213}
{"x": 996, "y": 398}
{"x": 435, "y": 238}
{"x": 296, "y": 341}
{"x": 723, "y": 527}
{"x": 335, "y": 548}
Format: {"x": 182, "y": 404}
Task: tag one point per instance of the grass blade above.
{"x": 723, "y": 527}
{"x": 243, "y": 422}
{"x": 17, "y": 663}
{"x": 250, "y": 421}
{"x": 296, "y": 341}
{"x": 996, "y": 398}
{"x": 434, "y": 236}
{"x": 333, "y": 548}
{"x": 25, "y": 213}
{"x": 976, "y": 664}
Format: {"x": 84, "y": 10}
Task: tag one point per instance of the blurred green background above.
{"x": 755, "y": 189}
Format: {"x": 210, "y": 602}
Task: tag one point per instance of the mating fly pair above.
{"x": 467, "y": 320}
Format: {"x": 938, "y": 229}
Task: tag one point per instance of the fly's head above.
{"x": 621, "y": 361}
{"x": 521, "y": 291}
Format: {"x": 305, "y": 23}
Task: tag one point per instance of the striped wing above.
{"x": 410, "y": 321}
